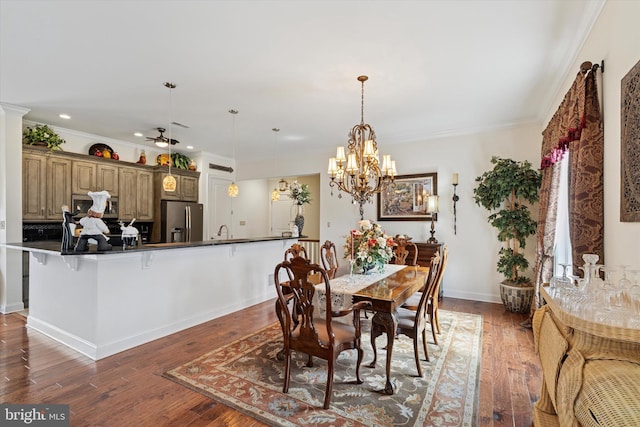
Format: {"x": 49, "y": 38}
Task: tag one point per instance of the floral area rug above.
{"x": 246, "y": 375}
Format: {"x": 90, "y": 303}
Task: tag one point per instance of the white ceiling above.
{"x": 435, "y": 67}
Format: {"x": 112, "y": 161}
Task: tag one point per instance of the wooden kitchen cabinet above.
{"x": 186, "y": 185}
{"x": 83, "y": 177}
{"x": 128, "y": 188}
{"x": 107, "y": 179}
{"x": 34, "y": 190}
{"x": 58, "y": 186}
{"x": 50, "y": 179}
{"x": 93, "y": 176}
{"x": 145, "y": 196}
{"x": 135, "y": 194}
{"x": 189, "y": 188}
{"x": 46, "y": 186}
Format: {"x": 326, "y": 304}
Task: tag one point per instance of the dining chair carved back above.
{"x": 329, "y": 258}
{"x": 432, "y": 300}
{"x": 304, "y": 330}
{"x": 402, "y": 255}
{"x": 414, "y": 323}
{"x": 295, "y": 250}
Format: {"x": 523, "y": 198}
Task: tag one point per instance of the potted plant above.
{"x": 505, "y": 191}
{"x": 42, "y": 135}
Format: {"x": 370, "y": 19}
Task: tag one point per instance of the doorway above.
{"x": 219, "y": 208}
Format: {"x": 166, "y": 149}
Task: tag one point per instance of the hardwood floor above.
{"x": 127, "y": 389}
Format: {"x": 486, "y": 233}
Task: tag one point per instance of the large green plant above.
{"x": 42, "y": 134}
{"x": 504, "y": 190}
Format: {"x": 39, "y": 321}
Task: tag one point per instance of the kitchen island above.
{"x": 102, "y": 303}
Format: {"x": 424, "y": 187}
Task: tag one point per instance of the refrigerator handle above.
{"x": 188, "y": 217}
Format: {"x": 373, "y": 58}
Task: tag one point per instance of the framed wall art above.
{"x": 630, "y": 146}
{"x": 406, "y": 199}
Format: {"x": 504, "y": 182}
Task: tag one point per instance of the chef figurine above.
{"x": 68, "y": 228}
{"x": 129, "y": 234}
{"x": 92, "y": 225}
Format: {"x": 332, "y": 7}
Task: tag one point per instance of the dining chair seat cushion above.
{"x": 343, "y": 333}
{"x": 413, "y": 301}
{"x": 406, "y": 318}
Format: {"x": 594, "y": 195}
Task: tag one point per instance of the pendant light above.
{"x": 169, "y": 182}
{"x": 232, "y": 191}
{"x": 275, "y": 194}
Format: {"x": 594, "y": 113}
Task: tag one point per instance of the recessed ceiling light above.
{"x": 189, "y": 147}
{"x": 138, "y": 134}
{"x": 64, "y": 116}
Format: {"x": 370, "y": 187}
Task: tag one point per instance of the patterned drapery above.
{"x": 576, "y": 128}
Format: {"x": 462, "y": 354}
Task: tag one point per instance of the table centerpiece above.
{"x": 368, "y": 247}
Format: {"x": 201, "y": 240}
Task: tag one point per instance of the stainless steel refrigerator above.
{"x": 181, "y": 221}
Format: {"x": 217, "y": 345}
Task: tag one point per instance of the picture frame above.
{"x": 406, "y": 198}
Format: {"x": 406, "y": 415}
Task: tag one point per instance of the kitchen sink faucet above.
{"x": 220, "y": 231}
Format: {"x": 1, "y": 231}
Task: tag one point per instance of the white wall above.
{"x": 473, "y": 251}
{"x": 615, "y": 38}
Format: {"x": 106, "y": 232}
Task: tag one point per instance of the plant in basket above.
{"x": 42, "y": 135}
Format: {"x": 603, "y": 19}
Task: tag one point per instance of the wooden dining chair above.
{"x": 432, "y": 300}
{"x": 295, "y": 250}
{"x": 305, "y": 330}
{"x": 329, "y": 258}
{"x": 402, "y": 255}
{"x": 414, "y": 323}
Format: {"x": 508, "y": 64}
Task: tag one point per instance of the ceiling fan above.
{"x": 162, "y": 140}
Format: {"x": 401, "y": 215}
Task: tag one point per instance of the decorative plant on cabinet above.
{"x": 42, "y": 135}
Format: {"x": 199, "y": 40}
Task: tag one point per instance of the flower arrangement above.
{"x": 369, "y": 246}
{"x": 300, "y": 193}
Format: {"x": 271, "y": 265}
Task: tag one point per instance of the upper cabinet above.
{"x": 90, "y": 175}
{"x": 186, "y": 185}
{"x": 49, "y": 179}
{"x": 46, "y": 186}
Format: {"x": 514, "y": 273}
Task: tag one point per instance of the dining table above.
{"x": 386, "y": 290}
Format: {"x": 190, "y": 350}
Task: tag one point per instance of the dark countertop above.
{"x": 53, "y": 246}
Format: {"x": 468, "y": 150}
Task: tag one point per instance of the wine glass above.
{"x": 611, "y": 289}
{"x": 624, "y": 284}
{"x": 562, "y": 281}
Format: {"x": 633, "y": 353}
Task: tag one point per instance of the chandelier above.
{"x": 358, "y": 173}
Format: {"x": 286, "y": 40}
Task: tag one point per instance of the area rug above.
{"x": 246, "y": 375}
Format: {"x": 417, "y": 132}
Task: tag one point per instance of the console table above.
{"x": 591, "y": 370}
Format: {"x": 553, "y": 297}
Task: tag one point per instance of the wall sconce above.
{"x": 432, "y": 208}
{"x": 283, "y": 185}
{"x": 455, "y": 200}
{"x": 275, "y": 195}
